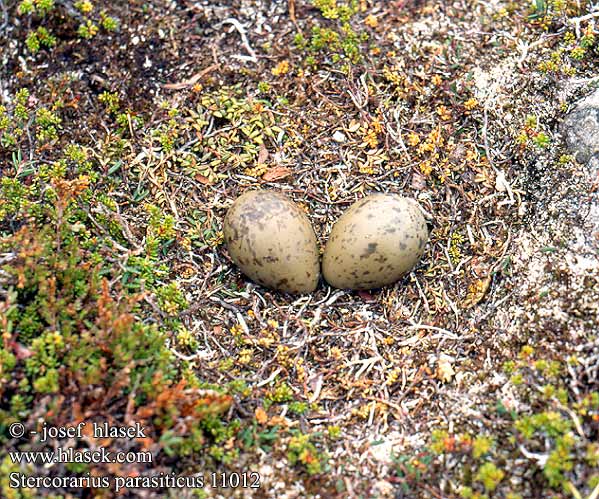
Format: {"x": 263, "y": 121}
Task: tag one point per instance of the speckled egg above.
{"x": 375, "y": 242}
{"x": 272, "y": 241}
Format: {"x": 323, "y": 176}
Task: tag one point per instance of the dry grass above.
{"x": 432, "y": 111}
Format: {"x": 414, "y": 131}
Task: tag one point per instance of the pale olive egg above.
{"x": 272, "y": 241}
{"x": 376, "y": 241}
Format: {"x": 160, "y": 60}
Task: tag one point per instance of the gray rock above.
{"x": 581, "y": 129}
{"x": 581, "y": 132}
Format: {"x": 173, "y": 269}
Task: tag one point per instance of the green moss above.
{"x": 6, "y": 468}
{"x": 7, "y": 362}
{"x": 541, "y": 140}
{"x": 26, "y": 7}
{"x": 438, "y": 438}
{"x": 334, "y": 9}
{"x": 108, "y": 23}
{"x": 48, "y": 124}
{"x": 298, "y": 407}
{"x": 111, "y": 100}
{"x": 490, "y": 476}
{"x": 281, "y": 393}
{"x": 79, "y": 342}
{"x": 334, "y": 432}
{"x": 481, "y": 446}
{"x": 301, "y": 450}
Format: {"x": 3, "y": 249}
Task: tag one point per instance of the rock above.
{"x": 581, "y": 129}
{"x": 339, "y": 136}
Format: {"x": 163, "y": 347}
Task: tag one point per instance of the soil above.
{"x": 513, "y": 257}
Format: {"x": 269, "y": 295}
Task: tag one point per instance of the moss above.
{"x": 490, "y": 476}
{"x": 122, "y": 200}
{"x": 301, "y": 450}
{"x": 77, "y": 340}
{"x": 481, "y": 446}
{"x": 547, "y": 430}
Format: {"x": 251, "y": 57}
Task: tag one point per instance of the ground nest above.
{"x": 129, "y": 128}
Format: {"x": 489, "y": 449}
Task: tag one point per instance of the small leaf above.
{"x": 261, "y": 415}
{"x": 276, "y": 173}
{"x": 445, "y": 370}
{"x": 263, "y": 154}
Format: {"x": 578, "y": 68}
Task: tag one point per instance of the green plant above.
{"x": 48, "y": 123}
{"x": 301, "y": 450}
{"x": 240, "y": 127}
{"x": 541, "y": 140}
{"x": 281, "y": 393}
{"x": 411, "y": 470}
{"x": 171, "y": 299}
{"x": 46, "y": 10}
{"x": 38, "y": 38}
{"x": 339, "y": 43}
{"x": 68, "y": 335}
{"x": 111, "y": 101}
{"x": 41, "y": 7}
{"x": 490, "y": 476}
{"x": 333, "y": 9}
{"x": 547, "y": 439}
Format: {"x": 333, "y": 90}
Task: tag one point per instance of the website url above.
{"x": 71, "y": 455}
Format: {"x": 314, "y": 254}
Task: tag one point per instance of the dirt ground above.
{"x": 450, "y": 383}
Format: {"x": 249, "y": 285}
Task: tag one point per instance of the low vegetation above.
{"x": 119, "y": 158}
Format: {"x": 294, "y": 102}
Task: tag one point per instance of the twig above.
{"x": 199, "y": 354}
{"x": 244, "y": 39}
{"x": 4, "y": 15}
{"x": 540, "y": 458}
{"x": 501, "y": 184}
{"x": 269, "y": 379}
{"x": 190, "y": 81}
{"x": 577, "y": 20}
{"x": 451, "y": 335}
